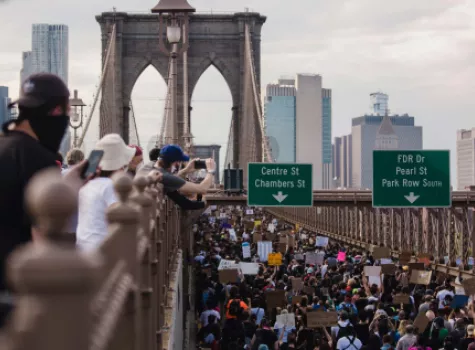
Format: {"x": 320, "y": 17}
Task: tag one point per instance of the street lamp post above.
{"x": 176, "y": 15}
{"x": 76, "y": 118}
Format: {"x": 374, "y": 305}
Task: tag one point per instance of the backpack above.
{"x": 344, "y": 332}
{"x": 235, "y": 308}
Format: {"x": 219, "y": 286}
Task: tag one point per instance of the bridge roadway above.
{"x": 348, "y": 217}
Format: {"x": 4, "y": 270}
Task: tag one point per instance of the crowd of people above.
{"x": 30, "y": 145}
{"x": 333, "y": 302}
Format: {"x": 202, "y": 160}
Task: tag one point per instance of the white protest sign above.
{"x": 249, "y": 212}
{"x": 372, "y": 271}
{"x": 285, "y": 320}
{"x": 232, "y": 234}
{"x": 246, "y": 250}
{"x": 271, "y": 228}
{"x": 321, "y": 241}
{"x": 227, "y": 265}
{"x": 249, "y": 268}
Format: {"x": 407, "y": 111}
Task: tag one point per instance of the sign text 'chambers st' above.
{"x": 282, "y": 185}
{"x": 411, "y": 179}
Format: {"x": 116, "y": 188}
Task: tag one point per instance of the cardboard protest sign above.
{"x": 381, "y": 252}
{"x": 283, "y": 239}
{"x": 228, "y": 276}
{"x": 248, "y": 225}
{"x": 424, "y": 258}
{"x": 282, "y": 247}
{"x": 309, "y": 290}
{"x": 416, "y": 266}
{"x": 297, "y": 299}
{"x": 421, "y": 322}
{"x": 317, "y": 319}
{"x": 420, "y": 277}
{"x": 388, "y": 269}
{"x": 275, "y": 298}
{"x": 297, "y": 284}
{"x": 401, "y": 299}
{"x": 256, "y": 237}
{"x": 291, "y": 240}
{"x": 274, "y": 259}
{"x": 405, "y": 257}
{"x": 270, "y": 236}
{"x": 469, "y": 286}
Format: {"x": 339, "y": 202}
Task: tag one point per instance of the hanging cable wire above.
{"x": 105, "y": 69}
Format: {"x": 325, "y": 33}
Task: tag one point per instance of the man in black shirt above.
{"x": 29, "y": 144}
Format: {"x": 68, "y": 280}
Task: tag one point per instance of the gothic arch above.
{"x": 222, "y": 68}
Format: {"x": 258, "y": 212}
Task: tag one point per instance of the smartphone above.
{"x": 200, "y": 164}
{"x": 92, "y": 163}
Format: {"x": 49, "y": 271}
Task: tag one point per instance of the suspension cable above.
{"x": 257, "y": 101}
{"x": 101, "y": 84}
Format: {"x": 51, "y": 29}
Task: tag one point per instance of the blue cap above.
{"x": 173, "y": 153}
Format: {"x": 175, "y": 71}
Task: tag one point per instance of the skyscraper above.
{"x": 465, "y": 158}
{"x": 297, "y": 117}
{"x": 26, "y": 67}
{"x": 342, "y": 161}
{"x": 371, "y": 132}
{"x": 309, "y": 125}
{"x": 4, "y": 101}
{"x": 327, "y": 138}
{"x": 49, "y": 51}
{"x": 279, "y": 116}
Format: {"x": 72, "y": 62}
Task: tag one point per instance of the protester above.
{"x": 136, "y": 161}
{"x": 337, "y": 284}
{"x": 28, "y": 145}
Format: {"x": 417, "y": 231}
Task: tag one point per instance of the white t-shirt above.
{"x": 345, "y": 344}
{"x": 94, "y": 199}
{"x": 441, "y": 296}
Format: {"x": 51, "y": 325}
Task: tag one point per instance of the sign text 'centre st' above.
{"x": 279, "y": 185}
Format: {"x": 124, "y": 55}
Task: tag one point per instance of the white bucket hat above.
{"x": 116, "y": 153}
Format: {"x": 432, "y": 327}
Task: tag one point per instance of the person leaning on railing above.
{"x": 174, "y": 184}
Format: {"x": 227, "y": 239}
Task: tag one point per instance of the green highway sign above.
{"x": 279, "y": 185}
{"x": 411, "y": 179}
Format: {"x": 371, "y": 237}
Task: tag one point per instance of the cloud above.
{"x": 422, "y": 53}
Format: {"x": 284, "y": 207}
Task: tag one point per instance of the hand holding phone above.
{"x": 93, "y": 161}
{"x": 200, "y": 164}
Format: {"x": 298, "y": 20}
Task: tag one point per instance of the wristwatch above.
{"x": 212, "y": 172}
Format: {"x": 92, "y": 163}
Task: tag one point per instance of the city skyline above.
{"x": 406, "y": 49}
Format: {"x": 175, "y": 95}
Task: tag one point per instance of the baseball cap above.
{"x": 39, "y": 89}
{"x": 173, "y": 153}
{"x": 138, "y": 150}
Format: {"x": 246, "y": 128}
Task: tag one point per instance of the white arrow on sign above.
{"x": 412, "y": 198}
{"x": 280, "y": 197}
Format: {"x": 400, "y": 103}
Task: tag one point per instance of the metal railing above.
{"x": 125, "y": 295}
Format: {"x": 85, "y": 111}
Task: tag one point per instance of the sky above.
{"x": 421, "y": 53}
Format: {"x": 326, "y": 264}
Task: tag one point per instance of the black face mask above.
{"x": 49, "y": 129}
